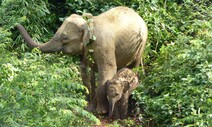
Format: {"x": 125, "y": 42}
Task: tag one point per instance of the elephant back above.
{"x": 127, "y": 30}
{"x": 127, "y": 75}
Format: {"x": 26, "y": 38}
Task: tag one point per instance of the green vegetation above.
{"x": 46, "y": 90}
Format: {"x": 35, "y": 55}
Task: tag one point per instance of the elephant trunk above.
{"x": 111, "y": 107}
{"x": 50, "y": 46}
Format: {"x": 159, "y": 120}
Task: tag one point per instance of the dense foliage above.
{"x": 39, "y": 90}
{"x": 46, "y": 89}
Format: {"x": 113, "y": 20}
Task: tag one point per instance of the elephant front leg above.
{"x": 85, "y": 78}
{"x": 88, "y": 79}
{"x": 116, "y": 113}
{"x": 106, "y": 72}
{"x": 93, "y": 82}
{"x": 101, "y": 97}
{"x": 123, "y": 110}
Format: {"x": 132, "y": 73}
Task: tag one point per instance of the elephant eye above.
{"x": 116, "y": 94}
{"x": 65, "y": 39}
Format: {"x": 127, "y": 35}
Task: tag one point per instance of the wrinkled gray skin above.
{"x": 118, "y": 90}
{"x": 120, "y": 34}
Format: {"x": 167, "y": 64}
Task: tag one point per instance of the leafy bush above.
{"x": 34, "y": 15}
{"x": 39, "y": 90}
{"x": 177, "y": 90}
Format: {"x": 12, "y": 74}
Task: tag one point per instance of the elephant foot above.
{"x": 102, "y": 102}
{"x": 102, "y": 109}
{"x": 91, "y": 106}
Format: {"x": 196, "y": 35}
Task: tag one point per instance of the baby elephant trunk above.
{"x": 112, "y": 103}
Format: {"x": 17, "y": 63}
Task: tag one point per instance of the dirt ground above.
{"x": 129, "y": 122}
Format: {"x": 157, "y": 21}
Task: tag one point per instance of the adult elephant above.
{"x": 116, "y": 38}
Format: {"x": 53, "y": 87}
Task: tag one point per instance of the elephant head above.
{"x": 115, "y": 90}
{"x": 69, "y": 38}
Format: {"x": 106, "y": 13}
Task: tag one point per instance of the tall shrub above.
{"x": 177, "y": 89}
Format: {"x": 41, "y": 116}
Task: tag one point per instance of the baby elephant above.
{"x": 118, "y": 90}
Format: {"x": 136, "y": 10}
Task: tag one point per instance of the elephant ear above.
{"x": 126, "y": 86}
{"x": 88, "y": 29}
{"x": 86, "y": 35}
{"x": 87, "y": 16}
{"x": 107, "y": 83}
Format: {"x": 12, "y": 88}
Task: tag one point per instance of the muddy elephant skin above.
{"x": 118, "y": 90}
{"x": 116, "y": 38}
